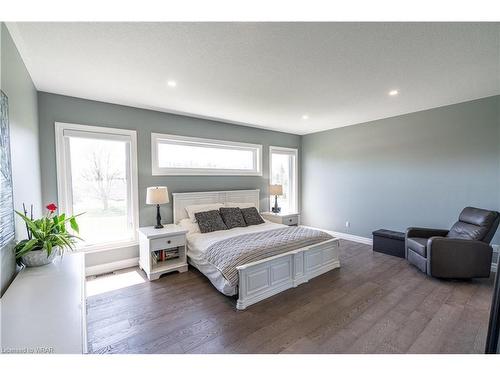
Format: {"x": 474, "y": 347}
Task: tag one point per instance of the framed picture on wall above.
{"x": 7, "y": 229}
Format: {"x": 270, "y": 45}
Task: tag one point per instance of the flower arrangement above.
{"x": 48, "y": 233}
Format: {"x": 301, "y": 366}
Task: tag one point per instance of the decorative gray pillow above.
{"x": 252, "y": 216}
{"x": 210, "y": 221}
{"x": 232, "y": 217}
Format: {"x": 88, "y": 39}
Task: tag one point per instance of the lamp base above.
{"x": 158, "y": 218}
{"x": 276, "y": 209}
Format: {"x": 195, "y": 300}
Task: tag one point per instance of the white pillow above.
{"x": 189, "y": 225}
{"x": 194, "y": 208}
{"x": 240, "y": 205}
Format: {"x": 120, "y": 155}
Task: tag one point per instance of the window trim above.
{"x": 159, "y": 171}
{"x": 286, "y": 151}
{"x": 63, "y": 173}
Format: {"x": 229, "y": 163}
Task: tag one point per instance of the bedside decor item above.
{"x": 276, "y": 190}
{"x": 47, "y": 237}
{"x": 157, "y": 195}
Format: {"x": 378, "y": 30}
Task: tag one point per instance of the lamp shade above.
{"x": 275, "y": 189}
{"x": 157, "y": 195}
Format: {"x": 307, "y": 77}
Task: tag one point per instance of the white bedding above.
{"x": 198, "y": 243}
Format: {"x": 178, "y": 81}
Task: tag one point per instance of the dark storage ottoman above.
{"x": 389, "y": 242}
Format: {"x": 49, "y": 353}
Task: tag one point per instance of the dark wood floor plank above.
{"x": 405, "y": 335}
{"x": 374, "y": 303}
{"x": 370, "y": 340}
{"x": 358, "y": 328}
{"x": 435, "y": 334}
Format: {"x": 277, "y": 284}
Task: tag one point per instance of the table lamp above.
{"x": 157, "y": 195}
{"x": 276, "y": 190}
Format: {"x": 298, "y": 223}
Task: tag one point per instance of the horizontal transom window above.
{"x": 177, "y": 155}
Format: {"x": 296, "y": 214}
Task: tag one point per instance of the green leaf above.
{"x": 48, "y": 247}
{"x": 25, "y": 218}
{"x": 74, "y": 225}
{"x": 28, "y": 246}
{"x": 20, "y": 245}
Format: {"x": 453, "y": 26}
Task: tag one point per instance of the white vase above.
{"x": 36, "y": 258}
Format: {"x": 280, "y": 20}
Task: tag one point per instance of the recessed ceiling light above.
{"x": 171, "y": 83}
{"x": 393, "y": 92}
{"x": 305, "y": 117}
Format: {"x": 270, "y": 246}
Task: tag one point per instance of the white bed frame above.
{"x": 267, "y": 277}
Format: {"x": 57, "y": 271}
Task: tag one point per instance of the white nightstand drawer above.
{"x": 287, "y": 219}
{"x": 291, "y": 220}
{"x": 167, "y": 242}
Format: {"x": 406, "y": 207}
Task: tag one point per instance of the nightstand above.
{"x": 162, "y": 250}
{"x": 281, "y": 218}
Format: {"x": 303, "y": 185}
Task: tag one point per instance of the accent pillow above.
{"x": 252, "y": 216}
{"x": 210, "y": 221}
{"x": 194, "y": 208}
{"x": 188, "y": 224}
{"x": 240, "y": 205}
{"x": 232, "y": 217}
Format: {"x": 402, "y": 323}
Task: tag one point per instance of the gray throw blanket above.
{"x": 230, "y": 253}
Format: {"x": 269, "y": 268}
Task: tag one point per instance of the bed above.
{"x": 312, "y": 252}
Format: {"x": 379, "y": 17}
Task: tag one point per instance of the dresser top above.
{"x": 167, "y": 230}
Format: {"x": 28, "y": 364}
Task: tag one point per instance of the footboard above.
{"x": 270, "y": 276}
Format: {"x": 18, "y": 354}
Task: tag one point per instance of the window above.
{"x": 283, "y": 171}
{"x": 97, "y": 175}
{"x": 176, "y": 155}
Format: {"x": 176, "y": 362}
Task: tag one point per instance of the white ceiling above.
{"x": 267, "y": 74}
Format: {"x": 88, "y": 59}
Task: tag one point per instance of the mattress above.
{"x": 198, "y": 244}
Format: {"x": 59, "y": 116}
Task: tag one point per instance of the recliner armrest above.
{"x": 425, "y": 232}
{"x": 458, "y": 258}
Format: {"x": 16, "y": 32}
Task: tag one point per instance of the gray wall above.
{"x": 418, "y": 169}
{"x": 23, "y": 115}
{"x": 57, "y": 108}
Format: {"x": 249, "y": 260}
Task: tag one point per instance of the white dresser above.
{"x": 43, "y": 310}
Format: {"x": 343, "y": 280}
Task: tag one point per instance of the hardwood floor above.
{"x": 374, "y": 303}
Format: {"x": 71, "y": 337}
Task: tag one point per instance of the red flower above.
{"x": 51, "y": 207}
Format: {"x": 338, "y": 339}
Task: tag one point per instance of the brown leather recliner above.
{"x": 462, "y": 252}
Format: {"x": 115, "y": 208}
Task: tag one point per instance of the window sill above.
{"x": 202, "y": 172}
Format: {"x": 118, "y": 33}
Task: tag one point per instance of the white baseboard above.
{"x": 346, "y": 236}
{"x": 112, "y": 266}
{"x": 352, "y": 237}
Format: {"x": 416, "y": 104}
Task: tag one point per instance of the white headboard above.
{"x": 181, "y": 200}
